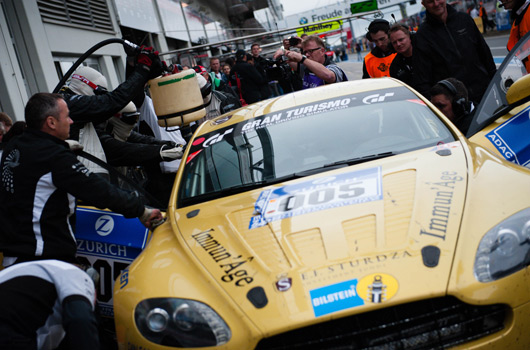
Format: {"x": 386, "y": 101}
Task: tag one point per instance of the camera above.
{"x": 293, "y": 41}
{"x": 276, "y": 69}
{"x": 279, "y": 70}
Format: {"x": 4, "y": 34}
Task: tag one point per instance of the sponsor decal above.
{"x": 103, "y": 249}
{"x": 104, "y": 225}
{"x": 12, "y": 161}
{"x": 298, "y": 112}
{"x": 511, "y": 138}
{"x": 376, "y": 98}
{"x": 441, "y": 208}
{"x": 284, "y": 284}
{"x": 352, "y": 267}
{"x": 315, "y": 195}
{"x": 335, "y": 297}
{"x": 374, "y": 288}
{"x": 278, "y": 117}
{"x": 234, "y": 269}
{"x": 124, "y": 278}
{"x": 109, "y": 228}
{"x": 377, "y": 287}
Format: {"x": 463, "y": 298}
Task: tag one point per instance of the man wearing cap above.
{"x": 449, "y": 44}
{"x": 377, "y": 62}
{"x": 249, "y": 77}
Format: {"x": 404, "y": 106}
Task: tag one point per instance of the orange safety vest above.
{"x": 378, "y": 66}
{"x": 517, "y": 32}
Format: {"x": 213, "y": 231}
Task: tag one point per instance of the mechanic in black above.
{"x": 100, "y": 105}
{"x": 251, "y": 79}
{"x": 40, "y": 178}
{"x": 449, "y": 44}
{"x": 46, "y": 304}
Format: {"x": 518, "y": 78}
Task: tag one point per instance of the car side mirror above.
{"x": 518, "y": 90}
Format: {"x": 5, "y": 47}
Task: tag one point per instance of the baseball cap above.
{"x": 240, "y": 53}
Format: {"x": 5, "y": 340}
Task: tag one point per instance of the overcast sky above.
{"x": 291, "y": 7}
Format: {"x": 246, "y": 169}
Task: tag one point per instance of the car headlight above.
{"x": 504, "y": 249}
{"x": 180, "y": 323}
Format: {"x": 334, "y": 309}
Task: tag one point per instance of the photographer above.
{"x": 314, "y": 66}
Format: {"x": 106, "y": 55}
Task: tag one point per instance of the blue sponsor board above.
{"x": 511, "y": 138}
{"x": 110, "y": 228}
{"x": 335, "y": 297}
{"x": 318, "y": 194}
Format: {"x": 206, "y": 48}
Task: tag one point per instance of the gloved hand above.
{"x": 149, "y": 60}
{"x": 168, "y": 154}
{"x": 131, "y": 49}
{"x": 151, "y": 218}
{"x": 167, "y": 143}
{"x": 74, "y": 145}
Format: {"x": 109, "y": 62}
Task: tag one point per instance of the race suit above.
{"x": 45, "y": 303}
{"x": 40, "y": 179}
{"x": 99, "y": 108}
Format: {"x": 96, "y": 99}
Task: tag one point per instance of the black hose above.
{"x": 85, "y": 55}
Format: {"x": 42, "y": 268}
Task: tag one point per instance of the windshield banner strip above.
{"x": 307, "y": 110}
{"x": 325, "y": 192}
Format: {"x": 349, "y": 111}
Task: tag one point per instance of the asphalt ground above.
{"x": 496, "y": 41}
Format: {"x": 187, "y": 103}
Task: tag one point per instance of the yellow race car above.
{"x": 350, "y": 216}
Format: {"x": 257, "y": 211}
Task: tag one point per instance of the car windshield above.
{"x": 306, "y": 139}
{"x": 514, "y": 66}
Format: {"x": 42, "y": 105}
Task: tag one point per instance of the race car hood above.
{"x": 338, "y": 242}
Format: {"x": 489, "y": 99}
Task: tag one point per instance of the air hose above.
{"x": 130, "y": 49}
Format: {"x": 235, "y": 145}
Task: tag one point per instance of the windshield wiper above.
{"x": 358, "y": 160}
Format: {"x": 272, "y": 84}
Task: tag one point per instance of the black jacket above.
{"x": 251, "y": 80}
{"x": 454, "y": 49}
{"x": 99, "y": 108}
{"x": 401, "y": 68}
{"x": 40, "y": 179}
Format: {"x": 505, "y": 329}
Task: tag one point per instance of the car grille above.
{"x": 429, "y": 324}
